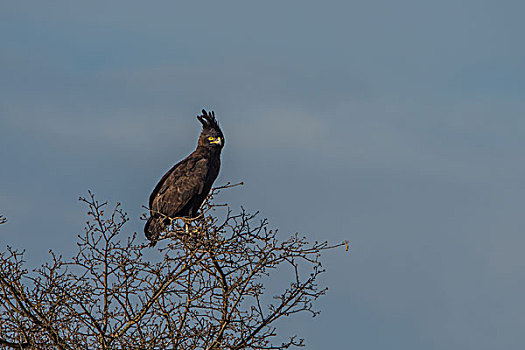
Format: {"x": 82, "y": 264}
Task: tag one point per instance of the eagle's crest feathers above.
{"x": 208, "y": 120}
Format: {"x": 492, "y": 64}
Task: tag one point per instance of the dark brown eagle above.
{"x": 184, "y": 187}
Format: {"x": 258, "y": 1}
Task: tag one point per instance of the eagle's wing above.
{"x": 179, "y": 185}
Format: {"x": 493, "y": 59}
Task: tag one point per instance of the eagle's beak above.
{"x": 219, "y": 141}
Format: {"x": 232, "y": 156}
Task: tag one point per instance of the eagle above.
{"x": 181, "y": 191}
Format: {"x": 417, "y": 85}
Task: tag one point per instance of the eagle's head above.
{"x": 211, "y": 135}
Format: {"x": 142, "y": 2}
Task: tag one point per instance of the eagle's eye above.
{"x": 210, "y": 138}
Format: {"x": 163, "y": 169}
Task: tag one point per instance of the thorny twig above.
{"x": 207, "y": 290}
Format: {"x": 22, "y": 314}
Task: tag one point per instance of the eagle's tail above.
{"x": 153, "y": 228}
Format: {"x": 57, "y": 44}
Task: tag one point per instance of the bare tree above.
{"x": 208, "y": 288}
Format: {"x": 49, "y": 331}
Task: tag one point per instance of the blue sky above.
{"x": 397, "y": 125}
